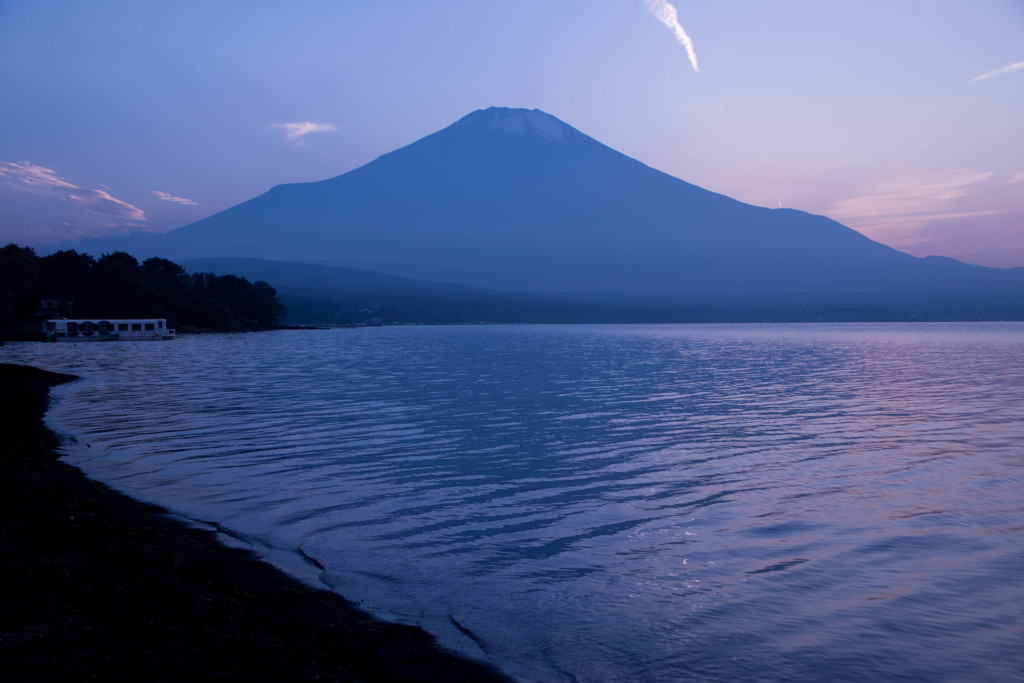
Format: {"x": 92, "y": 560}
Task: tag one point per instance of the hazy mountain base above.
{"x": 313, "y": 307}
{"x": 334, "y": 295}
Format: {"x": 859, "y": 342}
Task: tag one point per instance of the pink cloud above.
{"x": 100, "y": 202}
{"x": 296, "y": 130}
{"x": 896, "y": 210}
{"x": 171, "y": 198}
{"x": 33, "y": 176}
{"x": 39, "y": 205}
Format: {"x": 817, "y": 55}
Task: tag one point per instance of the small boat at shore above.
{"x": 120, "y": 329}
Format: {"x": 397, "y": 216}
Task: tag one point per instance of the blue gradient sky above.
{"x": 903, "y": 119}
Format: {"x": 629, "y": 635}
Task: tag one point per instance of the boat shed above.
{"x": 113, "y": 329}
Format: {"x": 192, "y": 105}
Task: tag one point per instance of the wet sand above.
{"x": 95, "y": 585}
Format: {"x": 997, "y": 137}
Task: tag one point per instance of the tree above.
{"x": 19, "y": 281}
{"x": 267, "y": 308}
{"x": 115, "y": 287}
{"x": 65, "y": 273}
{"x": 214, "y": 315}
{"x": 164, "y": 275}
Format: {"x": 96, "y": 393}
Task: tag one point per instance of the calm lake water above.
{"x": 648, "y": 503}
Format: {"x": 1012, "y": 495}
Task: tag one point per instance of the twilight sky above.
{"x": 903, "y": 119}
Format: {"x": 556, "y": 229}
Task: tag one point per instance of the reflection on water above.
{"x": 733, "y": 503}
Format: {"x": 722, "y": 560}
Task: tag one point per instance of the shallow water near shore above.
{"x": 721, "y": 502}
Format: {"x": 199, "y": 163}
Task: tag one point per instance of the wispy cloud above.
{"x": 33, "y": 176}
{"x": 26, "y": 177}
{"x": 1016, "y": 66}
{"x": 896, "y": 210}
{"x": 297, "y": 130}
{"x": 100, "y": 202}
{"x": 1018, "y": 177}
{"x": 667, "y": 14}
{"x": 171, "y": 198}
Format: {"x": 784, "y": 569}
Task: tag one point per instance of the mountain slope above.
{"x": 516, "y": 199}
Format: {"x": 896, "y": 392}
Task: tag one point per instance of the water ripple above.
{"x": 607, "y": 503}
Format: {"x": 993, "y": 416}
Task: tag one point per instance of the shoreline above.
{"x": 100, "y": 586}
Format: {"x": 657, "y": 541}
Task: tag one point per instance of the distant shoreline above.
{"x": 99, "y": 585}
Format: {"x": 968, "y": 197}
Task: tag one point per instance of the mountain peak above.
{"x": 511, "y": 121}
{"x": 516, "y": 199}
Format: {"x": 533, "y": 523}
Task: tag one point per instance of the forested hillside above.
{"x": 76, "y": 285}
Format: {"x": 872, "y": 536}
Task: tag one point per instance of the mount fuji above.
{"x": 515, "y": 199}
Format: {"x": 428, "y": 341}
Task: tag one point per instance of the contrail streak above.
{"x": 1016, "y": 66}
{"x": 666, "y": 14}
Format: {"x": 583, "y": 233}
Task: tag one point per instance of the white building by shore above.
{"x": 113, "y": 329}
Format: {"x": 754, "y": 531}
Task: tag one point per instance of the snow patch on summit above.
{"x": 517, "y": 122}
{"x": 520, "y": 121}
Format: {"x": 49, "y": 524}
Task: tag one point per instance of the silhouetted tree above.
{"x": 214, "y": 315}
{"x": 252, "y": 305}
{"x": 231, "y": 290}
{"x": 65, "y": 273}
{"x": 164, "y": 275}
{"x": 267, "y": 307}
{"x": 19, "y": 281}
{"x": 116, "y": 286}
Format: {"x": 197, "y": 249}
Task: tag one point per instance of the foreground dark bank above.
{"x": 99, "y": 586}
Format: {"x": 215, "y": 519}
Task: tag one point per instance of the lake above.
{"x": 601, "y": 503}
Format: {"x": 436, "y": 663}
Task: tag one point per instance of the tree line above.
{"x": 76, "y": 285}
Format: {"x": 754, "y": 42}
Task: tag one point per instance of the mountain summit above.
{"x": 516, "y": 199}
{"x": 519, "y": 122}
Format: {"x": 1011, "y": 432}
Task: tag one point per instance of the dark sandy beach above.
{"x": 95, "y": 585}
